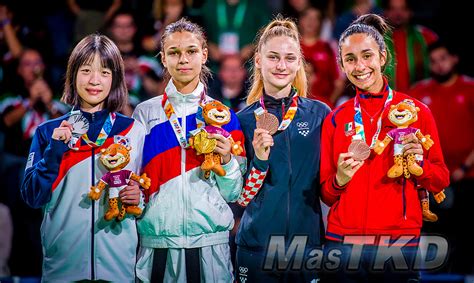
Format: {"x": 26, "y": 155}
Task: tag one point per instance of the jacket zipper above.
{"x": 183, "y": 176}
{"x": 288, "y": 210}
{"x": 93, "y": 212}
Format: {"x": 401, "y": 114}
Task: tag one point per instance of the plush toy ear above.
{"x": 392, "y": 106}
{"x": 129, "y": 147}
{"x": 417, "y": 109}
{"x": 102, "y": 150}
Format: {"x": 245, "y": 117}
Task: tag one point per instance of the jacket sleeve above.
{"x": 435, "y": 175}
{"x": 230, "y": 185}
{"x": 42, "y": 169}
{"x": 330, "y": 191}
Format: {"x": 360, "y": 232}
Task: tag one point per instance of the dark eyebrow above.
{"x": 187, "y": 47}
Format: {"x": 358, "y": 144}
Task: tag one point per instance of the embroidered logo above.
{"x": 303, "y": 128}
{"x": 349, "y": 130}
{"x": 29, "y": 163}
{"x": 243, "y": 273}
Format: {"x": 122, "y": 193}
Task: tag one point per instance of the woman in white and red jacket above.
{"x": 363, "y": 200}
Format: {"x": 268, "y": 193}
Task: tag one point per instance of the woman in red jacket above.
{"x": 363, "y": 200}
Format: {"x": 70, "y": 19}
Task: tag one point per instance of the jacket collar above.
{"x": 177, "y": 97}
{"x": 362, "y": 94}
{"x": 272, "y": 102}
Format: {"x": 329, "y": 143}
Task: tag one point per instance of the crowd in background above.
{"x": 36, "y": 38}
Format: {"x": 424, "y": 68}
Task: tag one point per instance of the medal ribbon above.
{"x": 359, "y": 124}
{"x": 104, "y": 132}
{"x": 173, "y": 119}
{"x": 287, "y": 117}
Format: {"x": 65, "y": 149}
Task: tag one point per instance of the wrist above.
{"x": 340, "y": 183}
{"x": 226, "y": 158}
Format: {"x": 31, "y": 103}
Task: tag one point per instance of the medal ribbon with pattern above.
{"x": 104, "y": 132}
{"x": 83, "y": 126}
{"x": 287, "y": 117}
{"x": 359, "y": 124}
{"x": 173, "y": 119}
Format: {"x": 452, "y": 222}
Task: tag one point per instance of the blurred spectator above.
{"x": 29, "y": 66}
{"x": 231, "y": 26}
{"x": 10, "y": 46}
{"x": 407, "y": 45}
{"x": 153, "y": 83}
{"x": 19, "y": 118}
{"x": 164, "y": 12}
{"x": 230, "y": 86}
{"x": 358, "y": 8}
{"x": 327, "y": 82}
{"x": 123, "y": 32}
{"x": 450, "y": 96}
{"x": 6, "y": 227}
{"x": 91, "y": 15}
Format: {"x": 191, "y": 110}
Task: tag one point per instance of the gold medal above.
{"x": 203, "y": 144}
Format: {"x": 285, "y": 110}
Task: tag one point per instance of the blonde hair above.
{"x": 278, "y": 27}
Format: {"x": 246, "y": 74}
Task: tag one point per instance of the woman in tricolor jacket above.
{"x": 184, "y": 232}
{"x": 63, "y": 164}
{"x": 282, "y": 187}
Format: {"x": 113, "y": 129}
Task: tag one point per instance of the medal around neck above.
{"x": 80, "y": 126}
{"x": 267, "y": 121}
{"x": 360, "y": 150}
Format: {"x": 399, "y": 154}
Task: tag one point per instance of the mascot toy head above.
{"x": 404, "y": 113}
{"x": 117, "y": 155}
{"x": 215, "y": 113}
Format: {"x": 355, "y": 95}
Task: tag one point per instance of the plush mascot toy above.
{"x": 115, "y": 158}
{"x": 215, "y": 114}
{"x": 403, "y": 115}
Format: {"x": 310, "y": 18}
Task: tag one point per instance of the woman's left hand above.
{"x": 130, "y": 194}
{"x": 223, "y": 147}
{"x": 411, "y": 145}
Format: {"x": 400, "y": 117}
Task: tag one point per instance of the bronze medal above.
{"x": 360, "y": 150}
{"x": 269, "y": 122}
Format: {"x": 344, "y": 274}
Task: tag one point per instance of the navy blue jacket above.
{"x": 288, "y": 202}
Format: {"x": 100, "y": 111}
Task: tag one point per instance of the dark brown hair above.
{"x": 183, "y": 25}
{"x": 110, "y": 57}
{"x": 372, "y": 25}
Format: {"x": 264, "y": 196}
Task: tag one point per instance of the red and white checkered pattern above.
{"x": 252, "y": 186}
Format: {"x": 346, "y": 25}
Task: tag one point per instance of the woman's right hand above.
{"x": 262, "y": 141}
{"x": 63, "y": 132}
{"x": 346, "y": 168}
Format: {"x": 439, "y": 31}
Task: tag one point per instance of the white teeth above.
{"x": 363, "y": 77}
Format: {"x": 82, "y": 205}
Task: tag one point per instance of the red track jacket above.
{"x": 371, "y": 203}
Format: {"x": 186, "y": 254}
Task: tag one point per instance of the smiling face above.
{"x": 115, "y": 157}
{"x": 183, "y": 57}
{"x": 93, "y": 84}
{"x": 362, "y": 62}
{"x": 216, "y": 113}
{"x": 278, "y": 60}
{"x": 403, "y": 114}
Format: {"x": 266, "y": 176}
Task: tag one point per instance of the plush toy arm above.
{"x": 143, "y": 180}
{"x": 381, "y": 145}
{"x": 426, "y": 141}
{"x": 95, "y": 191}
{"x": 439, "y": 197}
{"x": 236, "y": 147}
